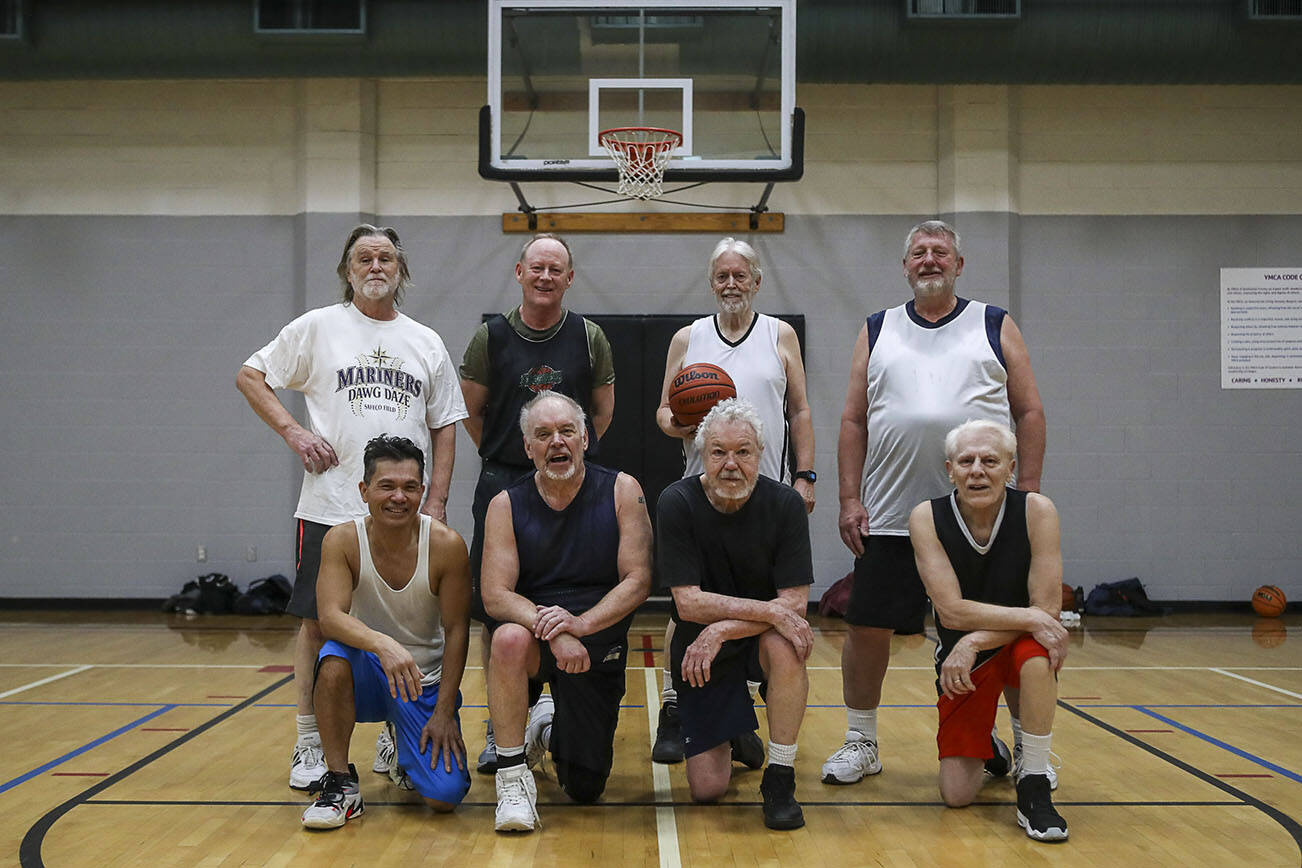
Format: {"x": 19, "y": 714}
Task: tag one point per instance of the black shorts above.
{"x": 587, "y": 705}
{"x": 887, "y": 590}
{"x": 722, "y": 709}
{"x": 494, "y": 478}
{"x": 307, "y": 562}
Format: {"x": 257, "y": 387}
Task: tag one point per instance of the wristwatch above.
{"x": 806, "y": 474}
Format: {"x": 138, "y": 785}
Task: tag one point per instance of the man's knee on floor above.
{"x": 582, "y": 785}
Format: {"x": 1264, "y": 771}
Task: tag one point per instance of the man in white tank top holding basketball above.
{"x": 393, "y": 595}
{"x": 762, "y": 356}
{"x": 918, "y": 370}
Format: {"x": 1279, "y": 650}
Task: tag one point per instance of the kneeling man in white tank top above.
{"x": 393, "y": 595}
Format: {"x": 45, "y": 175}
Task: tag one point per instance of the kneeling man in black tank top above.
{"x": 990, "y": 558}
{"x": 567, "y": 560}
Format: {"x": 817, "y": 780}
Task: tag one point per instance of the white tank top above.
{"x": 761, "y": 378}
{"x": 411, "y": 615}
{"x": 924, "y": 379}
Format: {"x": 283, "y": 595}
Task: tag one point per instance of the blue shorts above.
{"x": 372, "y": 702}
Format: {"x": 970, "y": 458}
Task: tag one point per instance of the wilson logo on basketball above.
{"x": 689, "y": 376}
{"x": 541, "y": 378}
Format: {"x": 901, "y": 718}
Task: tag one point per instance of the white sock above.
{"x": 782, "y": 754}
{"x": 1035, "y": 753}
{"x": 668, "y": 695}
{"x": 307, "y": 731}
{"x": 1017, "y": 729}
{"x": 863, "y": 722}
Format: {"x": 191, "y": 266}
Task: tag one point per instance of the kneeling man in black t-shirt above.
{"x": 734, "y": 548}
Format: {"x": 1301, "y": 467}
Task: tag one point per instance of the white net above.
{"x": 640, "y": 154}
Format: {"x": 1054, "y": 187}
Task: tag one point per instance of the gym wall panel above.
{"x": 157, "y": 232}
{"x": 148, "y": 147}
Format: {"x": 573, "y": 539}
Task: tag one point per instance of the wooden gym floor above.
{"x": 141, "y": 739}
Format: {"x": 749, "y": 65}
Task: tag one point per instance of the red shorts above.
{"x": 966, "y": 720}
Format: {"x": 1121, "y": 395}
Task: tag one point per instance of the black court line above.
{"x": 29, "y": 852}
{"x": 184, "y": 803}
{"x": 1290, "y": 825}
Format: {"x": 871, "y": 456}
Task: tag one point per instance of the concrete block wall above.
{"x": 157, "y": 232}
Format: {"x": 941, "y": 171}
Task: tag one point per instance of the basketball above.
{"x": 1068, "y": 598}
{"x": 697, "y": 388}
{"x": 1268, "y": 601}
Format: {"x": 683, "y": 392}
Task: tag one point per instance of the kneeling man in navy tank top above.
{"x": 567, "y": 560}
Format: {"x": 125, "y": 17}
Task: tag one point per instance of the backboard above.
{"x": 721, "y": 72}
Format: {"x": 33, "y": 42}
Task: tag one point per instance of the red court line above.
{"x": 648, "y": 656}
{"x": 80, "y": 774}
{"x": 277, "y": 668}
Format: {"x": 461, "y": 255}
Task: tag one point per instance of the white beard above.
{"x": 560, "y": 477}
{"x": 375, "y": 290}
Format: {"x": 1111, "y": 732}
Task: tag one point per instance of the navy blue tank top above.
{"x": 569, "y": 557}
{"x": 519, "y": 370}
{"x": 998, "y": 577}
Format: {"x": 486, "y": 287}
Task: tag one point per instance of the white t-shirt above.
{"x": 361, "y": 378}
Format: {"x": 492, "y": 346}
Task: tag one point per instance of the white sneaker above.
{"x": 854, "y": 759}
{"x": 385, "y": 752}
{"x": 538, "y": 731}
{"x": 338, "y": 802}
{"x": 517, "y": 800}
{"x": 1055, "y": 763}
{"x": 307, "y": 766}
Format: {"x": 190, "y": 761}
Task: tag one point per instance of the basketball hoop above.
{"x": 640, "y": 154}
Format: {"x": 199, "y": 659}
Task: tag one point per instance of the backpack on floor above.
{"x": 1126, "y": 597}
{"x": 836, "y": 599}
{"x": 217, "y": 594}
{"x": 267, "y": 596}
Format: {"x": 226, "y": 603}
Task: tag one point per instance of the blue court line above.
{"x": 83, "y": 749}
{"x": 1279, "y": 770}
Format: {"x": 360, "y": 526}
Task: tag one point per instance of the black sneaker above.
{"x": 748, "y": 750}
{"x": 1035, "y": 811}
{"x": 1002, "y": 762}
{"x": 778, "y": 788}
{"x": 669, "y": 736}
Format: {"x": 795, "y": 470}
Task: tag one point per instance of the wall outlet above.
{"x": 251, "y": 554}
{"x": 201, "y": 553}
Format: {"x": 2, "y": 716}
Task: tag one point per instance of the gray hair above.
{"x": 934, "y": 227}
{"x": 366, "y": 230}
{"x": 1003, "y": 434}
{"x": 574, "y": 406}
{"x": 733, "y": 245}
{"x": 730, "y": 410}
{"x": 549, "y": 236}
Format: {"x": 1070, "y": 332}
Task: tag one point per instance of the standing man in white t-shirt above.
{"x": 365, "y": 370}
{"x": 762, "y": 356}
{"x": 917, "y": 371}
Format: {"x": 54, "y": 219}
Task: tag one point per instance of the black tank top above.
{"x": 999, "y": 576}
{"x": 569, "y": 557}
{"x": 519, "y": 370}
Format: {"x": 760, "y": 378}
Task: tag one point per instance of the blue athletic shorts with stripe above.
{"x": 372, "y": 702}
